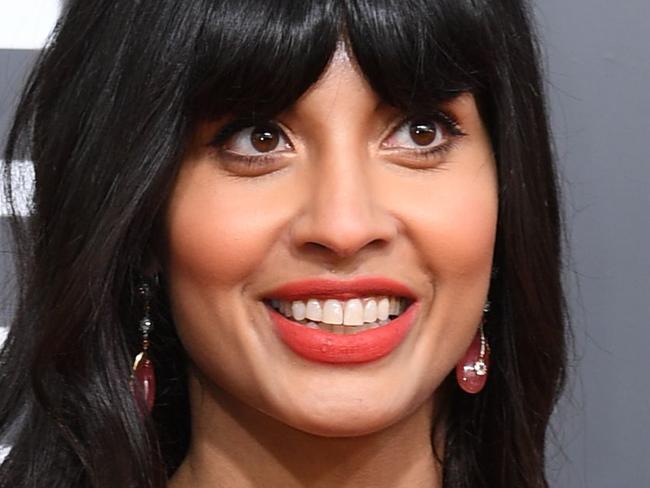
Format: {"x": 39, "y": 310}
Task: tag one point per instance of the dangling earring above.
{"x": 472, "y": 370}
{"x": 143, "y": 377}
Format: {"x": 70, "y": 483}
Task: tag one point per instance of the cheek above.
{"x": 452, "y": 218}
{"x": 214, "y": 236}
{"x": 458, "y": 237}
{"x": 217, "y": 238}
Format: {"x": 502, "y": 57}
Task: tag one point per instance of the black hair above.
{"x": 104, "y": 118}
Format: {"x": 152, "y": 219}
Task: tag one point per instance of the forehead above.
{"x": 342, "y": 85}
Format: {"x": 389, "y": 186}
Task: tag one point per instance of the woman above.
{"x": 330, "y": 229}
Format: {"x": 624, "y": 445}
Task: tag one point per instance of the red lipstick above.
{"x": 328, "y": 347}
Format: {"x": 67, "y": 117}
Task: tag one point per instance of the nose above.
{"x": 342, "y": 214}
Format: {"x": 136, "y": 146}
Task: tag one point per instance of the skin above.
{"x": 345, "y": 198}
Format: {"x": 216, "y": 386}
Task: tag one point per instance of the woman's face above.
{"x": 343, "y": 188}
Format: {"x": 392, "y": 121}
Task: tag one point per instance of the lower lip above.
{"x": 327, "y": 347}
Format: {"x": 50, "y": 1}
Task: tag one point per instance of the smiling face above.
{"x": 339, "y": 187}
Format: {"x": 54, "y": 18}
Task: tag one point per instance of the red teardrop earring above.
{"x": 472, "y": 370}
{"x": 143, "y": 377}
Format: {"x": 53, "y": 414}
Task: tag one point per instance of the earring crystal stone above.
{"x": 472, "y": 371}
{"x": 143, "y": 376}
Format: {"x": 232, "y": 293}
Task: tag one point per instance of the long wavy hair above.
{"x": 104, "y": 118}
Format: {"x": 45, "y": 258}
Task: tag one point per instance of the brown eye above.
{"x": 254, "y": 141}
{"x": 265, "y": 138}
{"x": 423, "y": 134}
{"x": 419, "y": 134}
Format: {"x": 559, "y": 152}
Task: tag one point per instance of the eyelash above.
{"x": 447, "y": 120}
{"x": 450, "y": 125}
{"x": 233, "y": 128}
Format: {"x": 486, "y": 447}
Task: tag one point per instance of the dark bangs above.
{"x": 260, "y": 56}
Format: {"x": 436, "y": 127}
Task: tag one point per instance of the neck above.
{"x": 236, "y": 446}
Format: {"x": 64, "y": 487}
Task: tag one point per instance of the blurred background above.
{"x": 597, "y": 60}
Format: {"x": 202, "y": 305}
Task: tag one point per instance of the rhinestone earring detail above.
{"x": 143, "y": 377}
{"x": 472, "y": 370}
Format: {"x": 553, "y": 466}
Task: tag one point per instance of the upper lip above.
{"x": 341, "y": 289}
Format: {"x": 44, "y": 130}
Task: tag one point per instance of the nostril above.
{"x": 334, "y": 250}
{"x": 341, "y": 233}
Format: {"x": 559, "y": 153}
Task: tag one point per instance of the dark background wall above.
{"x": 598, "y": 72}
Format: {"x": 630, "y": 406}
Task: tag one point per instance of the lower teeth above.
{"x": 342, "y": 329}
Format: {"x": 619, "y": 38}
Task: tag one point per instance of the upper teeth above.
{"x": 356, "y": 311}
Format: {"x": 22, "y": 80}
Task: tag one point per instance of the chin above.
{"x": 337, "y": 419}
{"x": 342, "y": 428}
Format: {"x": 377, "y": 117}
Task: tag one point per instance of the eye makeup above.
{"x": 438, "y": 124}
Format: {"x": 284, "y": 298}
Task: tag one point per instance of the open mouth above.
{"x": 342, "y": 316}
